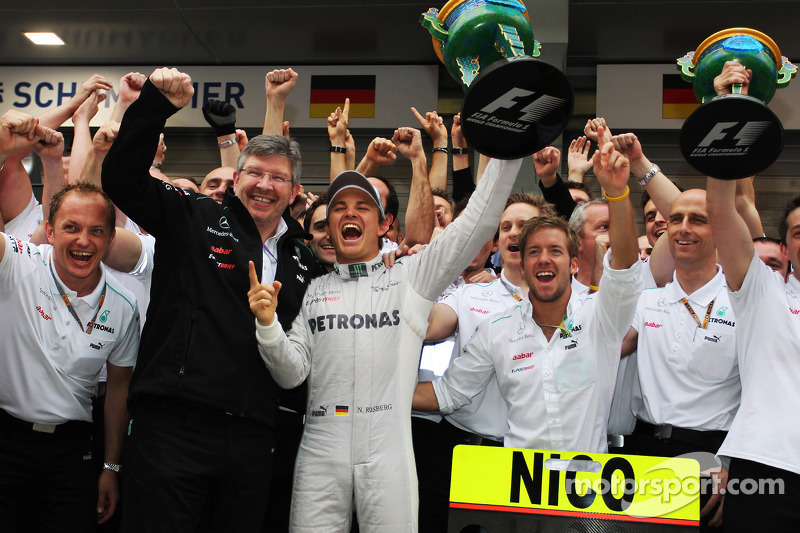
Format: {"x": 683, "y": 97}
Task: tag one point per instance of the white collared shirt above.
{"x": 50, "y": 365}
{"x": 24, "y": 224}
{"x": 688, "y": 375}
{"x": 487, "y": 414}
{"x": 765, "y": 429}
{"x": 558, "y": 391}
{"x": 270, "y": 253}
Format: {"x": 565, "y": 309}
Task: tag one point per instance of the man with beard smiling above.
{"x": 554, "y": 355}
{"x": 203, "y": 406}
{"x": 358, "y": 338}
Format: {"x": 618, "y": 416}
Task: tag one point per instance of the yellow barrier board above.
{"x": 629, "y": 488}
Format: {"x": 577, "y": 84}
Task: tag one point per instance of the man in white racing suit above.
{"x": 357, "y": 339}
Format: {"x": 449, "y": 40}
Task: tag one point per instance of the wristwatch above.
{"x": 113, "y": 467}
{"x": 650, "y": 173}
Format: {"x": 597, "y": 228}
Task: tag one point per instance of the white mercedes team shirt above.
{"x": 768, "y": 332}
{"x": 557, "y": 392}
{"x": 24, "y": 224}
{"x": 49, "y": 366}
{"x": 487, "y": 414}
{"x": 139, "y": 279}
{"x": 688, "y": 375}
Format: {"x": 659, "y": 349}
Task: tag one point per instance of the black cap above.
{"x": 350, "y": 179}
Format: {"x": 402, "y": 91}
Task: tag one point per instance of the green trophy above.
{"x": 734, "y": 135}
{"x": 751, "y": 48}
{"x": 515, "y": 105}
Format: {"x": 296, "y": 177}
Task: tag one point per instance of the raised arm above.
{"x": 578, "y": 160}
{"x": 419, "y": 214}
{"x": 547, "y": 161}
{"x": 130, "y": 85}
{"x": 50, "y": 150}
{"x": 338, "y": 122}
{"x": 660, "y": 188}
{"x": 54, "y": 118}
{"x": 221, "y": 116}
{"x": 19, "y": 132}
{"x": 434, "y": 126}
{"x": 463, "y": 182}
{"x": 277, "y": 86}
{"x": 731, "y": 236}
{"x": 125, "y": 175}
{"x": 82, "y": 135}
{"x": 101, "y": 144}
{"x": 613, "y": 170}
{"x": 380, "y": 152}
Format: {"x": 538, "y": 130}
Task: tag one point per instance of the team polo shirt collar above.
{"x": 510, "y": 287}
{"x": 702, "y": 296}
{"x": 92, "y": 299}
{"x": 359, "y": 270}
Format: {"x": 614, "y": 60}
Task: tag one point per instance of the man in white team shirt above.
{"x": 684, "y": 334}
{"x": 459, "y": 312}
{"x": 69, "y": 319}
{"x": 557, "y": 387}
{"x": 763, "y": 442}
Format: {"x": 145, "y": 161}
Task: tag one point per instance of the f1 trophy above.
{"x": 734, "y": 135}
{"x": 515, "y": 105}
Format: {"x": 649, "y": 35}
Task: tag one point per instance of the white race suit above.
{"x": 358, "y": 337}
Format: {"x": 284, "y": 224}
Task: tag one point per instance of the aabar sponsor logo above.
{"x": 653, "y": 325}
{"x": 368, "y": 321}
{"x": 794, "y": 311}
{"x": 44, "y": 315}
{"x": 220, "y": 250}
{"x": 477, "y": 310}
{"x": 522, "y": 356}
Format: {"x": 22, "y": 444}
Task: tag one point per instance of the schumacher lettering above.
{"x": 340, "y": 321}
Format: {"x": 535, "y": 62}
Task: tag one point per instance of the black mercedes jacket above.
{"x": 198, "y": 344}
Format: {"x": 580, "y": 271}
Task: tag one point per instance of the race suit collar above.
{"x": 359, "y": 270}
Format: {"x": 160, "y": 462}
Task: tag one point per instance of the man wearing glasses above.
{"x": 203, "y": 405}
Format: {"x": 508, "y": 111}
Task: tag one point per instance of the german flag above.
{"x": 677, "y": 97}
{"x": 342, "y": 410}
{"x": 329, "y": 92}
